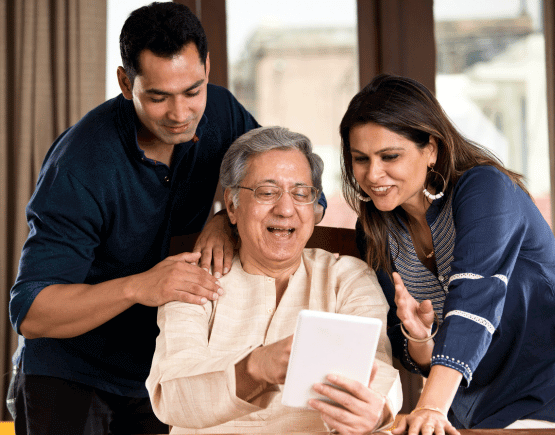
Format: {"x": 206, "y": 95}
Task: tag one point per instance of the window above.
{"x": 491, "y": 80}
{"x": 117, "y": 13}
{"x": 298, "y": 70}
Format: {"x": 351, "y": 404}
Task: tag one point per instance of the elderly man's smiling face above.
{"x": 273, "y": 235}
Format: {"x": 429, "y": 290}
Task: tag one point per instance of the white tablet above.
{"x": 328, "y": 343}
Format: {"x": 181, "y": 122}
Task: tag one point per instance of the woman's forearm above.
{"x": 433, "y": 405}
{"x": 421, "y": 353}
{"x": 440, "y": 388}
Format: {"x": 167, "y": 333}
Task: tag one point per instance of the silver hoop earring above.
{"x": 437, "y": 195}
{"x": 359, "y": 195}
{"x": 362, "y": 198}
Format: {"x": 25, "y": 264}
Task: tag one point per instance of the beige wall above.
{"x": 289, "y": 86}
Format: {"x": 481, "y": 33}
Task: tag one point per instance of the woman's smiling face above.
{"x": 390, "y": 168}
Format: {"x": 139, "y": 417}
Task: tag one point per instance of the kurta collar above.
{"x": 298, "y": 274}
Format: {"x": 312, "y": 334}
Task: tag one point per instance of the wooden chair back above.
{"x": 336, "y": 240}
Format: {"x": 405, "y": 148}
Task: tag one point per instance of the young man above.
{"x": 113, "y": 190}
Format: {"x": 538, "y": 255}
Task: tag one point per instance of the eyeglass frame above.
{"x": 282, "y": 191}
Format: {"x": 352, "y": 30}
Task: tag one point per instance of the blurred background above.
{"x": 295, "y": 63}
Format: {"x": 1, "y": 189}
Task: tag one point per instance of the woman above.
{"x": 442, "y": 216}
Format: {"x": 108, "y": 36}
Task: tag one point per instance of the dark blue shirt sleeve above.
{"x": 490, "y": 227}
{"x": 323, "y": 202}
{"x": 63, "y": 220}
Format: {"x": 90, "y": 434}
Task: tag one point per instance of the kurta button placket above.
{"x": 270, "y": 291}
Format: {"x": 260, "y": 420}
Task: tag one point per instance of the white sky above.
{"x": 245, "y": 15}
{"x": 448, "y": 9}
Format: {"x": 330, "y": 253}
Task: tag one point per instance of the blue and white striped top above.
{"x": 423, "y": 284}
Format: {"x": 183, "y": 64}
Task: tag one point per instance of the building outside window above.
{"x": 298, "y": 70}
{"x": 491, "y": 80}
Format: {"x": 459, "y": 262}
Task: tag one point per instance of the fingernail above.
{"x": 205, "y": 269}
{"x": 332, "y": 378}
{"x": 203, "y": 300}
{"x": 215, "y": 296}
{"x": 220, "y": 291}
{"x": 218, "y": 275}
{"x": 226, "y": 269}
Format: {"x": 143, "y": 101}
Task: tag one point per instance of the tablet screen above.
{"x": 328, "y": 343}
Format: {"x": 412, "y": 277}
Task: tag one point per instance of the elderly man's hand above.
{"x": 363, "y": 409}
{"x": 215, "y": 244}
{"x": 269, "y": 363}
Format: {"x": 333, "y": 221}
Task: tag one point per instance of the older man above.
{"x": 220, "y": 367}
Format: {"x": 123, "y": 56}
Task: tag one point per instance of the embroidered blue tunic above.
{"x": 494, "y": 294}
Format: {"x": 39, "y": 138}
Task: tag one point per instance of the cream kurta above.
{"x": 192, "y": 379}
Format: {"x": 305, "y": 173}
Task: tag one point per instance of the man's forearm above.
{"x": 69, "y": 310}
{"x": 246, "y": 387}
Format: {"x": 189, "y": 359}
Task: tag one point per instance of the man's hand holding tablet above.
{"x": 331, "y": 364}
{"x": 362, "y": 410}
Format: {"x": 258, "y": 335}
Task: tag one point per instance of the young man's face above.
{"x": 169, "y": 95}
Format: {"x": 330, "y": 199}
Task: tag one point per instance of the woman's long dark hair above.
{"x": 408, "y": 108}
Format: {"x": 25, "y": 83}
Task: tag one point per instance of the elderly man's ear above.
{"x": 318, "y": 214}
{"x": 228, "y": 200}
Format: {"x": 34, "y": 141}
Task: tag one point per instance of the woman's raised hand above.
{"x": 417, "y": 318}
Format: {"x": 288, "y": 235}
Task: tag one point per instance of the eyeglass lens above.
{"x": 272, "y": 194}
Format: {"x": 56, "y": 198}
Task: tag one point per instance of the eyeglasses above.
{"x": 301, "y": 195}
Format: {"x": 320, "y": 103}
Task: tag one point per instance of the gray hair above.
{"x": 258, "y": 141}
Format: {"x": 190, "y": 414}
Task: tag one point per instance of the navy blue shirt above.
{"x": 102, "y": 210}
{"x": 495, "y": 295}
